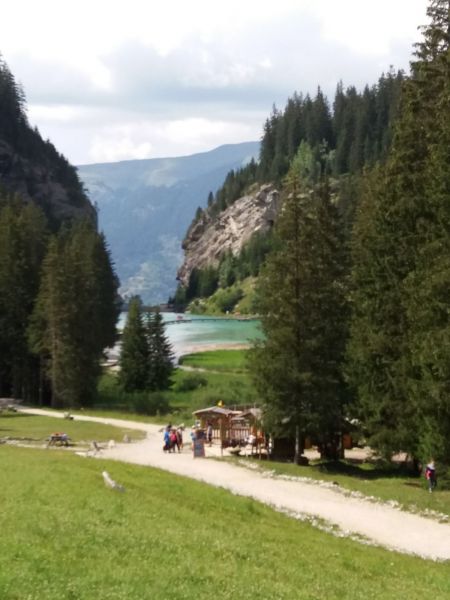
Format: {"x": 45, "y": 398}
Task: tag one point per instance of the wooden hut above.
{"x": 220, "y": 419}
{"x": 232, "y": 427}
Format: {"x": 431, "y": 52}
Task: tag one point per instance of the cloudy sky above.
{"x": 108, "y": 80}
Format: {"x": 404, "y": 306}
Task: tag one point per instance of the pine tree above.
{"x": 400, "y": 330}
{"x": 297, "y": 369}
{"x": 160, "y": 354}
{"x": 134, "y": 355}
{"x": 426, "y": 287}
{"x": 23, "y": 239}
{"x": 74, "y": 316}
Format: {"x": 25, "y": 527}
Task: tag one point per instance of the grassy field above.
{"x": 66, "y": 536}
{"x": 32, "y": 428}
{"x": 225, "y": 379}
{"x": 227, "y": 361}
{"x": 383, "y": 482}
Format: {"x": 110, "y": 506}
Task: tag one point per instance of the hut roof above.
{"x": 215, "y": 410}
{"x": 251, "y": 414}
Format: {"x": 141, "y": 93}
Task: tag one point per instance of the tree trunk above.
{"x": 298, "y": 446}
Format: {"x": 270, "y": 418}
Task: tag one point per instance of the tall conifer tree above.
{"x": 23, "y": 239}
{"x": 160, "y": 354}
{"x": 297, "y": 368}
{"x": 134, "y": 352}
{"x": 400, "y": 329}
{"x": 74, "y": 317}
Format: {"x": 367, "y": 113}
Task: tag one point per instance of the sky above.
{"x": 108, "y": 80}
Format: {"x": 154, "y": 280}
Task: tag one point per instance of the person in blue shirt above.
{"x": 166, "y": 446}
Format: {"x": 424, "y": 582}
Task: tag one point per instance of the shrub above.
{"x": 149, "y": 403}
{"x": 190, "y": 383}
{"x": 227, "y": 299}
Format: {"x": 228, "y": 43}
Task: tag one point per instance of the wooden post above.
{"x": 297, "y": 445}
{"x": 221, "y": 436}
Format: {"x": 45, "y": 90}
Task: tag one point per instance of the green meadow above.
{"x": 65, "y": 535}
{"x": 223, "y": 377}
{"x": 36, "y": 429}
{"x": 227, "y": 361}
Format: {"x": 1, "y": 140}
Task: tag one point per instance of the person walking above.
{"x": 174, "y": 441}
{"x": 180, "y": 439}
{"x": 209, "y": 433}
{"x": 166, "y": 446}
{"x": 430, "y": 474}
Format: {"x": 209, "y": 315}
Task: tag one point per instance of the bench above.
{"x": 58, "y": 439}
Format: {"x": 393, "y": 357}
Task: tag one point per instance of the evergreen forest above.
{"x": 58, "y": 302}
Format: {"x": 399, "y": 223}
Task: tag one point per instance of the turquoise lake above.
{"x": 192, "y": 332}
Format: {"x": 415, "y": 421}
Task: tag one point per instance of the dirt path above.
{"x": 381, "y": 524}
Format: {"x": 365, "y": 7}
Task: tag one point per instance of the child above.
{"x": 166, "y": 446}
{"x": 174, "y": 440}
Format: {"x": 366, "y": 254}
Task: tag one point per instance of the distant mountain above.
{"x": 146, "y": 206}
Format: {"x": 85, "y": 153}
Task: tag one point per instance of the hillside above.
{"x": 31, "y": 167}
{"x": 313, "y": 137}
{"x": 146, "y": 206}
{"x": 209, "y": 238}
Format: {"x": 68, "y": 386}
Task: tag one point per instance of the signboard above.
{"x": 199, "y": 448}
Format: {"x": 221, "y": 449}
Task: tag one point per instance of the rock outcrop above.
{"x": 210, "y": 237}
{"x": 41, "y": 182}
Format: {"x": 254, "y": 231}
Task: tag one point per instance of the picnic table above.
{"x": 58, "y": 439}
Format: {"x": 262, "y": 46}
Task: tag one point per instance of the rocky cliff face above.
{"x": 40, "y": 182}
{"x": 209, "y": 238}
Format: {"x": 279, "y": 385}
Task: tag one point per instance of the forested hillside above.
{"x": 33, "y": 167}
{"x": 58, "y": 300}
{"x": 318, "y": 139}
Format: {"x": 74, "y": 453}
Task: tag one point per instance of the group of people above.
{"x": 173, "y": 439}
{"x": 173, "y": 436}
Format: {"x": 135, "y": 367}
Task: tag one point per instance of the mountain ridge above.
{"x": 146, "y": 206}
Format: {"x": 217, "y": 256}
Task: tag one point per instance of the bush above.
{"x": 190, "y": 383}
{"x": 149, "y": 403}
{"x": 227, "y": 299}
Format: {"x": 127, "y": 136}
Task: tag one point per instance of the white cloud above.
{"x": 370, "y": 27}
{"x": 108, "y": 80}
{"x": 61, "y": 114}
{"x": 112, "y": 147}
{"x": 195, "y": 130}
{"x": 131, "y": 140}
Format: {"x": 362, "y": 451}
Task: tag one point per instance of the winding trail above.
{"x": 381, "y": 524}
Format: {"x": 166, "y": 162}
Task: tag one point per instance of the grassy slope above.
{"x": 65, "y": 535}
{"x": 38, "y": 429}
